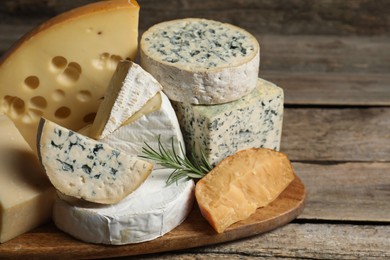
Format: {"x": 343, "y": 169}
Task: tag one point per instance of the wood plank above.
{"x": 362, "y": 17}
{"x": 280, "y": 17}
{"x": 314, "y": 53}
{"x": 346, "y": 191}
{"x": 337, "y": 89}
{"x": 299, "y": 241}
{"x": 337, "y": 134}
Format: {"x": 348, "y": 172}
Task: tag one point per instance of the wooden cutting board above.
{"x": 49, "y": 242}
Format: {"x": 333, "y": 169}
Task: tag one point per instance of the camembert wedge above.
{"x": 129, "y": 91}
{"x": 135, "y": 111}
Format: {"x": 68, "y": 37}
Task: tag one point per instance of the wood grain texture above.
{"x": 337, "y": 17}
{"x": 314, "y": 53}
{"x": 358, "y": 192}
{"x": 332, "y": 89}
{"x": 49, "y": 242}
{"x": 337, "y": 134}
{"x": 299, "y": 241}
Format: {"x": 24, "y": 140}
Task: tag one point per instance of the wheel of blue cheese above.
{"x": 201, "y": 61}
{"x": 151, "y": 211}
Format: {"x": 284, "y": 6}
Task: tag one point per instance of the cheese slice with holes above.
{"x": 151, "y": 211}
{"x": 83, "y": 168}
{"x": 64, "y": 66}
{"x": 26, "y": 195}
{"x": 129, "y": 90}
{"x": 201, "y": 61}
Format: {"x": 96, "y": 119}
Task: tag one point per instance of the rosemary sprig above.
{"x": 183, "y": 167}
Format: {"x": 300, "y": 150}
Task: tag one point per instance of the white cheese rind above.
{"x": 151, "y": 211}
{"x": 220, "y": 130}
{"x": 226, "y": 70}
{"x": 130, "y": 89}
{"x": 83, "y": 168}
{"x": 161, "y": 124}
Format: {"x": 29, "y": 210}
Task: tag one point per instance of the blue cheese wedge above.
{"x": 220, "y": 130}
{"x": 151, "y": 211}
{"x": 83, "y": 168}
{"x": 201, "y": 61}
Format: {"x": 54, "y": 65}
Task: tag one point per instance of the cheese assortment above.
{"x": 26, "y": 196}
{"x": 151, "y": 211}
{"x": 61, "y": 69}
{"x": 220, "y": 130}
{"x": 86, "y": 169}
{"x": 88, "y": 112}
{"x": 240, "y": 184}
{"x": 201, "y": 61}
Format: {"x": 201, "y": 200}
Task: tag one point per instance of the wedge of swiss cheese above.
{"x": 240, "y": 184}
{"x": 83, "y": 168}
{"x": 61, "y": 69}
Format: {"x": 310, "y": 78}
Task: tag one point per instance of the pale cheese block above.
{"x": 128, "y": 92}
{"x": 240, "y": 184}
{"x": 201, "y": 61}
{"x": 86, "y": 169}
{"x": 62, "y": 68}
{"x": 149, "y": 128}
{"x": 255, "y": 120}
{"x": 26, "y": 195}
{"x": 153, "y": 210}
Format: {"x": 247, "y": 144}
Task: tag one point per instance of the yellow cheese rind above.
{"x": 61, "y": 69}
{"x": 240, "y": 184}
{"x": 26, "y": 195}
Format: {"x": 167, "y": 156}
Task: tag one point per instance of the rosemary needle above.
{"x": 183, "y": 167}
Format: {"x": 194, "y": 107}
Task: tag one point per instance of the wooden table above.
{"x": 332, "y": 58}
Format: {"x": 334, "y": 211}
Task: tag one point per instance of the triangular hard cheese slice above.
{"x": 129, "y": 91}
{"x": 86, "y": 169}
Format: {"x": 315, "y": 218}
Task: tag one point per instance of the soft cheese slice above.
{"x": 240, "y": 184}
{"x": 83, "y": 168}
{"x": 201, "y": 61}
{"x": 61, "y": 69}
{"x": 220, "y": 130}
{"x": 160, "y": 125}
{"x": 129, "y": 90}
{"x": 151, "y": 211}
{"x": 26, "y": 195}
